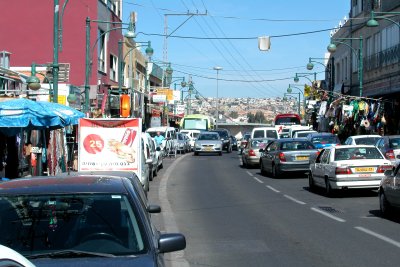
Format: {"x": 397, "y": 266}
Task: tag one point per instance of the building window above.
{"x": 356, "y": 7}
{"x": 113, "y": 68}
{"x": 101, "y": 51}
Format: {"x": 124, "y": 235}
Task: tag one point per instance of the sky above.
{"x": 225, "y": 33}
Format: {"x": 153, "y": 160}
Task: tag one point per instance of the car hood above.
{"x": 142, "y": 261}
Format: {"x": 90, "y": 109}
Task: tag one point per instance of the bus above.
{"x": 197, "y": 122}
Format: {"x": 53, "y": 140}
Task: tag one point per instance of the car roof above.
{"x": 321, "y": 134}
{"x": 364, "y": 135}
{"x": 283, "y": 140}
{"x": 64, "y": 185}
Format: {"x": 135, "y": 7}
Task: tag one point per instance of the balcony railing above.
{"x": 383, "y": 58}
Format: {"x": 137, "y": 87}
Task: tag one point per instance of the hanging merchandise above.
{"x": 322, "y": 108}
{"x": 348, "y": 111}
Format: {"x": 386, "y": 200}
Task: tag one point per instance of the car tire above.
{"x": 196, "y": 153}
{"x": 220, "y": 153}
{"x": 275, "y": 172}
{"x": 311, "y": 184}
{"x": 263, "y": 171}
{"x": 151, "y": 175}
{"x": 384, "y": 205}
{"x": 328, "y": 189}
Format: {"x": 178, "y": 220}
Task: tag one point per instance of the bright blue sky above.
{"x": 247, "y": 71}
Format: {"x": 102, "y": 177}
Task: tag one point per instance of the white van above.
{"x": 264, "y": 132}
{"x": 297, "y": 128}
{"x": 192, "y": 134}
{"x": 168, "y": 132}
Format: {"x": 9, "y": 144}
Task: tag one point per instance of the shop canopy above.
{"x": 17, "y": 114}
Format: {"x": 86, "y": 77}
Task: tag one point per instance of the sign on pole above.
{"x": 109, "y": 144}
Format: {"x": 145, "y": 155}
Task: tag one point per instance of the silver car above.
{"x": 251, "y": 152}
{"x": 208, "y": 142}
{"x": 287, "y": 155}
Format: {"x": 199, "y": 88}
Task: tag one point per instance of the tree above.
{"x": 234, "y": 115}
{"x": 250, "y": 117}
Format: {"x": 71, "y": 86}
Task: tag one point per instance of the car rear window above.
{"x": 394, "y": 143}
{"x": 297, "y": 145}
{"x": 366, "y": 140}
{"x": 356, "y": 153}
{"x": 325, "y": 140}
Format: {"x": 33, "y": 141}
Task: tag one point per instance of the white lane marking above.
{"x": 381, "y": 237}
{"x": 249, "y": 173}
{"x": 328, "y": 215}
{"x": 294, "y": 200}
{"x": 273, "y": 189}
{"x": 258, "y": 180}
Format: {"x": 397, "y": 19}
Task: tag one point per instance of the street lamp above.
{"x": 129, "y": 34}
{"x": 217, "y": 68}
{"x": 290, "y": 90}
{"x": 332, "y": 48}
{"x": 304, "y": 75}
{"x": 372, "y": 22}
{"x": 329, "y": 68}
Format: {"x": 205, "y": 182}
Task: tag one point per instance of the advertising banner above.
{"x": 109, "y": 144}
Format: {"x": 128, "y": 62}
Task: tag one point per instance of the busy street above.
{"x": 191, "y": 133}
{"x": 232, "y": 216}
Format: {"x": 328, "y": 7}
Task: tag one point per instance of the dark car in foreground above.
{"x": 225, "y": 138}
{"x": 287, "y": 155}
{"x": 81, "y": 221}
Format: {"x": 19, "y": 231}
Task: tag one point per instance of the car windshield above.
{"x": 208, "y": 137}
{"x": 297, "y": 145}
{"x": 355, "y": 153}
{"x": 223, "y": 134}
{"x": 325, "y": 140}
{"x": 98, "y": 223}
{"x": 366, "y": 140}
{"x": 394, "y": 143}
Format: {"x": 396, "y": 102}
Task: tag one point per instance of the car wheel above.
{"x": 155, "y": 172}
{"x": 328, "y": 189}
{"x": 196, "y": 153}
{"x": 220, "y": 153}
{"x": 384, "y": 205}
{"x": 263, "y": 172}
{"x": 151, "y": 175}
{"x": 311, "y": 184}
{"x": 275, "y": 172}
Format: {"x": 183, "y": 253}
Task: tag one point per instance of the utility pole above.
{"x": 166, "y": 35}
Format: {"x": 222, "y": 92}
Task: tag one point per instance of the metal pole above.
{"x": 216, "y": 105}
{"x": 120, "y": 67}
{"x": 360, "y": 68}
{"x": 55, "y": 51}
{"x": 87, "y": 65}
{"x": 299, "y": 105}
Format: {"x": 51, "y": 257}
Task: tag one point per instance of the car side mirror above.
{"x": 171, "y": 242}
{"x": 398, "y": 157}
{"x": 153, "y": 209}
{"x": 388, "y": 173}
{"x": 158, "y": 148}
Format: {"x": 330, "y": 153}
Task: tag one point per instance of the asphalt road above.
{"x": 232, "y": 216}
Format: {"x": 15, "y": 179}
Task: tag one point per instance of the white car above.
{"x": 150, "y": 155}
{"x": 343, "y": 167}
{"x": 362, "y": 139}
{"x": 302, "y": 133}
{"x": 192, "y": 134}
{"x": 10, "y": 257}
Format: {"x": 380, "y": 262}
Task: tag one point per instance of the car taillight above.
{"x": 383, "y": 168}
{"x": 281, "y": 157}
{"x": 343, "y": 170}
{"x": 389, "y": 154}
{"x": 251, "y": 152}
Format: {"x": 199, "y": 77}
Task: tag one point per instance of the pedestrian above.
{"x": 159, "y": 138}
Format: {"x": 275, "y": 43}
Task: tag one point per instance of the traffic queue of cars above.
{"x": 362, "y": 161}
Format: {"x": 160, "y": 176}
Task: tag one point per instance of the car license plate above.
{"x": 364, "y": 169}
{"x": 301, "y": 157}
{"x": 208, "y": 149}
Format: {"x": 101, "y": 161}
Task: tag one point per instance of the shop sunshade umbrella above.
{"x": 23, "y": 113}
